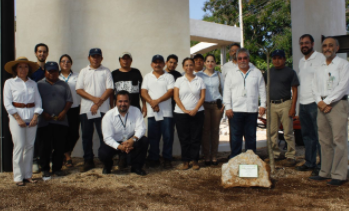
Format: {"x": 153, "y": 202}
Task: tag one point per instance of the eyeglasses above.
{"x": 65, "y": 62}
{"x": 242, "y": 58}
{"x": 305, "y": 43}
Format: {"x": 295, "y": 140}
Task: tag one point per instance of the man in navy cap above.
{"x": 53, "y": 124}
{"x": 283, "y": 105}
{"x": 94, "y": 85}
{"x": 157, "y": 90}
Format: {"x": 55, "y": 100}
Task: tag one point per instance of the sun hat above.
{"x": 33, "y": 65}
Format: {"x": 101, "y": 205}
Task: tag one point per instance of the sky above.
{"x": 195, "y": 9}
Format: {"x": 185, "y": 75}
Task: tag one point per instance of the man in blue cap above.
{"x": 94, "y": 85}
{"x": 283, "y": 105}
{"x": 53, "y": 124}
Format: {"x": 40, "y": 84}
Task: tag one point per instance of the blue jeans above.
{"x": 308, "y": 117}
{"x": 242, "y": 124}
{"x": 155, "y": 130}
{"x": 87, "y": 134}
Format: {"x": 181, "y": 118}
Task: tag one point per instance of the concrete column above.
{"x": 316, "y": 17}
{"x": 223, "y": 52}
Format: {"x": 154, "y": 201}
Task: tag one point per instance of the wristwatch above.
{"x": 134, "y": 139}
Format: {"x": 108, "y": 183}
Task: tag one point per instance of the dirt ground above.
{"x": 170, "y": 190}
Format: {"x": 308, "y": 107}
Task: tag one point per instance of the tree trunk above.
{"x": 270, "y": 149}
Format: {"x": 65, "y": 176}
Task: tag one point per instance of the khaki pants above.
{"x": 210, "y": 133}
{"x": 333, "y": 138}
{"x": 279, "y": 114}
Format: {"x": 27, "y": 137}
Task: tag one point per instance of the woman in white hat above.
{"x": 22, "y": 101}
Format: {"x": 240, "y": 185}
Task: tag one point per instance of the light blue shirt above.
{"x": 212, "y": 85}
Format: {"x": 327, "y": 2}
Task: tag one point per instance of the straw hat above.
{"x": 33, "y": 65}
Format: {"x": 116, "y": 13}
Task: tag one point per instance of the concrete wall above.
{"x": 316, "y": 17}
{"x": 142, "y": 27}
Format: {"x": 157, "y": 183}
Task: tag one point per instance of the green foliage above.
{"x": 267, "y": 25}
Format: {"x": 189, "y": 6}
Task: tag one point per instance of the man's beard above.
{"x": 41, "y": 60}
{"x": 307, "y": 52}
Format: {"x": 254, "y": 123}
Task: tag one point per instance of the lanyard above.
{"x": 124, "y": 125}
{"x": 244, "y": 77}
{"x": 66, "y": 80}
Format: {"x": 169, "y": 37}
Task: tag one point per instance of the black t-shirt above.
{"x": 129, "y": 81}
{"x": 282, "y": 81}
{"x": 176, "y": 75}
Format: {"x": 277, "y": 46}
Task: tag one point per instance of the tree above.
{"x": 267, "y": 25}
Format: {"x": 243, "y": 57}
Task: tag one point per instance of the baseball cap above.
{"x": 199, "y": 56}
{"x": 95, "y": 51}
{"x": 157, "y": 57}
{"x": 125, "y": 53}
{"x": 280, "y": 53}
{"x": 51, "y": 66}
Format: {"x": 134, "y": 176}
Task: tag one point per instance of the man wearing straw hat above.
{"x": 22, "y": 101}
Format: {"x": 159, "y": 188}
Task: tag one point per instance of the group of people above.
{"x": 50, "y": 112}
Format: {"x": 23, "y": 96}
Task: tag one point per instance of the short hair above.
{"x": 208, "y": 55}
{"x": 172, "y": 56}
{"x": 235, "y": 44}
{"x": 199, "y": 55}
{"x": 14, "y": 70}
{"x": 123, "y": 92}
{"x": 40, "y": 44}
{"x": 331, "y": 37}
{"x": 186, "y": 59}
{"x": 65, "y": 55}
{"x": 243, "y": 50}
{"x": 307, "y": 35}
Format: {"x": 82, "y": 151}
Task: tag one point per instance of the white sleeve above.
{"x": 262, "y": 92}
{"x": 108, "y": 132}
{"x": 80, "y": 82}
{"x": 140, "y": 125}
{"x": 171, "y": 82}
{"x": 8, "y": 98}
{"x": 145, "y": 82}
{"x": 342, "y": 88}
{"x": 109, "y": 82}
{"x": 37, "y": 99}
{"x": 227, "y": 93}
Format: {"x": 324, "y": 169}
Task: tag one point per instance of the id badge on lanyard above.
{"x": 329, "y": 82}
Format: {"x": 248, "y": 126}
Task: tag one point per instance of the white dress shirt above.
{"x": 18, "y": 91}
{"x": 244, "y": 98}
{"x": 113, "y": 129}
{"x": 189, "y": 93}
{"x": 72, "y": 79}
{"x": 156, "y": 88}
{"x": 331, "y": 81}
{"x": 95, "y": 82}
{"x": 230, "y": 66}
{"x": 307, "y": 69}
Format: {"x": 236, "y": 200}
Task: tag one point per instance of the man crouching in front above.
{"x": 123, "y": 129}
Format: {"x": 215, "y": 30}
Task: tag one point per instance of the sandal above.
{"x": 30, "y": 180}
{"x": 69, "y": 163}
{"x": 20, "y": 184}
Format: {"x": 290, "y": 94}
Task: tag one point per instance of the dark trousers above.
{"x": 243, "y": 124}
{"x": 308, "y": 119}
{"x": 73, "y": 135}
{"x": 52, "y": 140}
{"x": 189, "y": 129}
{"x": 87, "y": 134}
{"x": 137, "y": 155}
{"x": 155, "y": 130}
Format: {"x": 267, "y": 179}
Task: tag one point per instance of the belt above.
{"x": 211, "y": 102}
{"x": 280, "y": 101}
{"x": 345, "y": 97}
{"x": 22, "y": 105}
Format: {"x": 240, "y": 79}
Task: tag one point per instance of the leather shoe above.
{"x": 319, "y": 178}
{"x": 315, "y": 172}
{"x": 106, "y": 170}
{"x": 140, "y": 172}
{"x": 88, "y": 164}
{"x": 167, "y": 164}
{"x": 335, "y": 182}
{"x": 303, "y": 168}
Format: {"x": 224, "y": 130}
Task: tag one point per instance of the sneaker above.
{"x": 153, "y": 163}
{"x": 167, "y": 164}
{"x": 36, "y": 167}
{"x": 46, "y": 175}
{"x": 88, "y": 165}
{"x": 184, "y": 166}
{"x": 289, "y": 162}
{"x": 303, "y": 168}
{"x": 195, "y": 165}
{"x": 59, "y": 173}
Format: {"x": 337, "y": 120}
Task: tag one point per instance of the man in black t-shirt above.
{"x": 128, "y": 79}
{"x": 171, "y": 64}
{"x": 283, "y": 105}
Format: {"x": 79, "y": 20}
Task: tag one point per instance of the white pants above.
{"x": 23, "y": 149}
